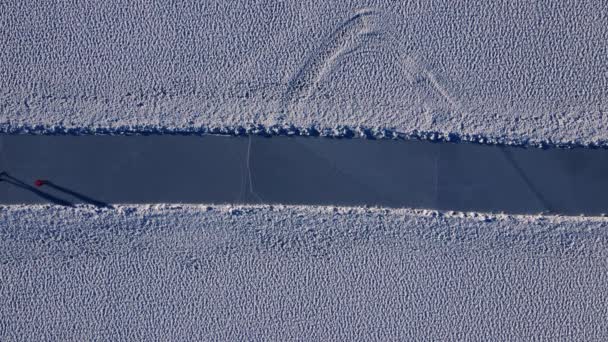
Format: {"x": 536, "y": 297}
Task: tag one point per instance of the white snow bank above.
{"x": 519, "y": 70}
{"x": 280, "y": 273}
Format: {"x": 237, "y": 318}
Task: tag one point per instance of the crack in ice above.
{"x": 249, "y": 171}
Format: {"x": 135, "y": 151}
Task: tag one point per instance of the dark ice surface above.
{"x": 102, "y": 170}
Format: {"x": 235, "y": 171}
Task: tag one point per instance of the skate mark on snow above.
{"x": 422, "y": 74}
{"x": 354, "y": 38}
{"x": 383, "y": 41}
{"x": 418, "y": 73}
{"x": 320, "y": 63}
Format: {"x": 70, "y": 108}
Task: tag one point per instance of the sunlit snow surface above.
{"x": 519, "y": 70}
{"x": 281, "y": 273}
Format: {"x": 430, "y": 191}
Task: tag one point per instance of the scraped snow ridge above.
{"x": 338, "y": 132}
{"x": 280, "y": 273}
{"x": 517, "y": 72}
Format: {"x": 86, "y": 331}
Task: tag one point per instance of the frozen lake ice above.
{"x": 303, "y": 171}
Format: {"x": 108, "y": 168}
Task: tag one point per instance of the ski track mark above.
{"x": 346, "y": 40}
{"x": 324, "y": 58}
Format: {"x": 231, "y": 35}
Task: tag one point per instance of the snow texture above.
{"x": 185, "y": 272}
{"x": 514, "y": 72}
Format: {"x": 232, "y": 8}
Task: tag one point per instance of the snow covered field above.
{"x": 513, "y": 72}
{"x": 518, "y": 71}
{"x": 298, "y": 273}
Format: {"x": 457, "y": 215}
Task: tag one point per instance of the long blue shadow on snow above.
{"x": 303, "y": 170}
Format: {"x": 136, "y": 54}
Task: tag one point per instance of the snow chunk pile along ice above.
{"x": 168, "y": 272}
{"x": 514, "y": 71}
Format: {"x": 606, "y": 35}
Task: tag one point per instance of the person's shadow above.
{"x": 79, "y": 196}
{"x": 4, "y": 176}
